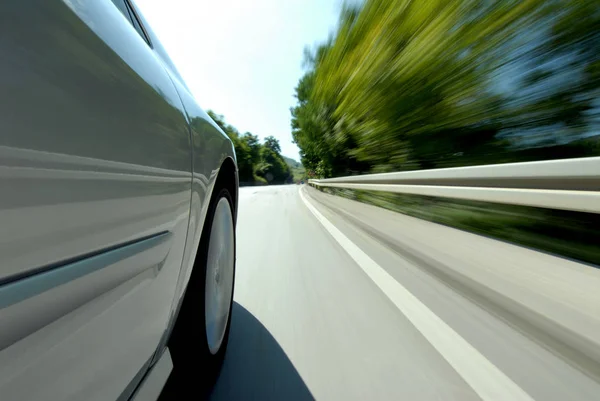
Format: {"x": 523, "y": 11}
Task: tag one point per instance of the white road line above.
{"x": 483, "y": 376}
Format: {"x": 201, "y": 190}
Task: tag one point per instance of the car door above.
{"x": 95, "y": 181}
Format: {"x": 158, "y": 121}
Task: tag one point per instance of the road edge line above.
{"x": 489, "y": 382}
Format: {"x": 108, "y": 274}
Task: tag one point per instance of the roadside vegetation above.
{"x": 571, "y": 234}
{"x": 405, "y": 85}
{"x": 297, "y": 169}
{"x": 258, "y": 163}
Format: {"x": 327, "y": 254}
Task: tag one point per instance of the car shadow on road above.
{"x": 256, "y": 367}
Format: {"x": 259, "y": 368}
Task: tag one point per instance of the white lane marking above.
{"x": 482, "y": 375}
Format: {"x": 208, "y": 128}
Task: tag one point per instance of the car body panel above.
{"x": 152, "y": 385}
{"x": 96, "y": 162}
{"x": 91, "y": 125}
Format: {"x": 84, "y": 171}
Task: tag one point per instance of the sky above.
{"x": 243, "y": 58}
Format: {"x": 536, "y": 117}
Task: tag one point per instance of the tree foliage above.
{"x": 256, "y": 162}
{"x": 406, "y": 84}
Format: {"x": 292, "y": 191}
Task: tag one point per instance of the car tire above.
{"x": 199, "y": 339}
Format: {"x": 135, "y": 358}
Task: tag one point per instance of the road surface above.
{"x": 336, "y": 300}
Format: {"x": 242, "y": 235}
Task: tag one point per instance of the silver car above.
{"x": 118, "y": 200}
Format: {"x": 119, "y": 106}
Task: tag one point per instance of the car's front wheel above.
{"x": 199, "y": 339}
{"x": 219, "y": 276}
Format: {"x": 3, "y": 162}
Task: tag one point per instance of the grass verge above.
{"x": 574, "y": 235}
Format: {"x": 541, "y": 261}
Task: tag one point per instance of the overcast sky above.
{"x": 243, "y": 58}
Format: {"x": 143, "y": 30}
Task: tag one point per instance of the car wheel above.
{"x": 199, "y": 339}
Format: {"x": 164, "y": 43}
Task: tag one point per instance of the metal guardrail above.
{"x": 569, "y": 184}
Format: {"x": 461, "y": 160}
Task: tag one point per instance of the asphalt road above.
{"x": 336, "y": 300}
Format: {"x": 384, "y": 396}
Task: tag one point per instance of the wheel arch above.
{"x": 228, "y": 178}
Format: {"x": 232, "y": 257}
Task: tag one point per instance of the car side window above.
{"x": 128, "y": 11}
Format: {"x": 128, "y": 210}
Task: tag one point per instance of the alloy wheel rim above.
{"x": 219, "y": 276}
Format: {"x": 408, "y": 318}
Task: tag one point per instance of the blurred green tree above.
{"x": 273, "y": 144}
{"x": 255, "y": 160}
{"x": 406, "y": 84}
